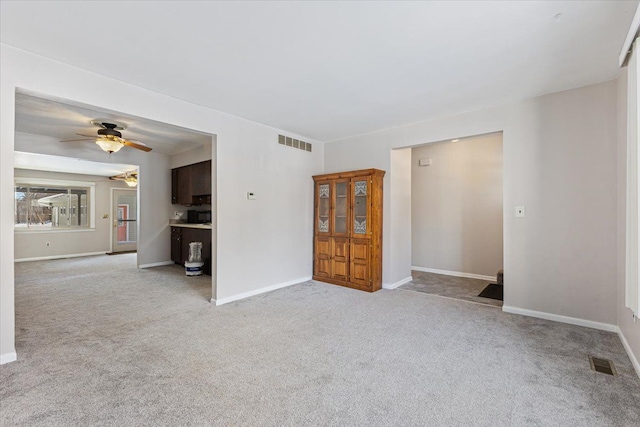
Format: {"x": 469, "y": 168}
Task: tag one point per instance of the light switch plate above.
{"x": 519, "y": 211}
{"x": 251, "y": 195}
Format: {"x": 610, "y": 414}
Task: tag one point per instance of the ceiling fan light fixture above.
{"x": 109, "y": 145}
{"x": 131, "y": 180}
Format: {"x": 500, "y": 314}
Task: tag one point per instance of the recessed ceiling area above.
{"x": 63, "y": 121}
{"x": 329, "y": 70}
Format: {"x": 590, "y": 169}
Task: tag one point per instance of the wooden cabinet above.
{"x": 184, "y": 186}
{"x": 191, "y": 184}
{"x": 348, "y": 229}
{"x": 174, "y": 186}
{"x": 176, "y": 245}
{"x": 201, "y": 179}
{"x": 180, "y": 239}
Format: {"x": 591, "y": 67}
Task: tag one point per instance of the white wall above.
{"x": 399, "y": 210}
{"x": 456, "y": 209}
{"x": 195, "y": 155}
{"x": 560, "y": 162}
{"x": 32, "y": 244}
{"x": 628, "y": 327}
{"x": 260, "y": 243}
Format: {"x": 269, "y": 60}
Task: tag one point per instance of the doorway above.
{"x": 124, "y": 211}
{"x": 457, "y": 219}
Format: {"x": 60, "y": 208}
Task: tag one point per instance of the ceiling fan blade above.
{"x": 124, "y": 175}
{"x": 138, "y": 145}
{"x": 86, "y": 138}
{"x": 76, "y": 140}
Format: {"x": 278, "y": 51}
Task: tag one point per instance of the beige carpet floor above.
{"x": 102, "y": 343}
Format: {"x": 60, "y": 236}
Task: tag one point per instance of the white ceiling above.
{"x": 45, "y": 162}
{"x": 329, "y": 70}
{"x": 64, "y": 121}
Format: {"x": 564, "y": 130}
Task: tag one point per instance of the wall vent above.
{"x": 603, "y": 366}
{"x": 295, "y": 143}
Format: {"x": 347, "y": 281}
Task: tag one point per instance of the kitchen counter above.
{"x": 184, "y": 225}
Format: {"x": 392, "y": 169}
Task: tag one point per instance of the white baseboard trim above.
{"x": 244, "y": 295}
{"x": 562, "y": 319}
{"x": 43, "y": 258}
{"x": 8, "y": 357}
{"x": 397, "y": 284}
{"x": 627, "y": 348}
{"x": 454, "y": 273}
{"x": 156, "y": 264}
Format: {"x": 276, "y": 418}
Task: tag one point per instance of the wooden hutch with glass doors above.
{"x": 348, "y": 229}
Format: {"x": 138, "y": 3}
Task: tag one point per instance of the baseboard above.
{"x": 562, "y": 319}
{"x": 43, "y": 258}
{"x": 397, "y": 284}
{"x": 8, "y": 357}
{"x": 156, "y": 264}
{"x": 627, "y": 348}
{"x": 244, "y": 295}
{"x": 454, "y": 273}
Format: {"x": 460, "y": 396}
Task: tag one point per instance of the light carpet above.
{"x": 102, "y": 343}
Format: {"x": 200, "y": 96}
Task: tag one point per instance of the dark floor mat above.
{"x": 492, "y": 291}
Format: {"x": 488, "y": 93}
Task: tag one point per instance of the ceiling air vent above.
{"x": 295, "y": 143}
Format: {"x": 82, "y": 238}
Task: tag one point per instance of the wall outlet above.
{"x": 519, "y": 211}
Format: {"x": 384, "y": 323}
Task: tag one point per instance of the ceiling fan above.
{"x": 109, "y": 137}
{"x": 130, "y": 178}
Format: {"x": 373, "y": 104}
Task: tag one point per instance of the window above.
{"x": 53, "y": 204}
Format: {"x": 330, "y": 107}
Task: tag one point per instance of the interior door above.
{"x": 125, "y": 226}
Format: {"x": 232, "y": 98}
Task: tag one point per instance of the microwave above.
{"x": 198, "y": 217}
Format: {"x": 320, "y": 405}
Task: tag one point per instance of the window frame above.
{"x": 67, "y": 184}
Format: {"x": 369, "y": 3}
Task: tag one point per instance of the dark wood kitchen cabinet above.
{"x": 191, "y": 184}
{"x": 180, "y": 239}
{"x": 176, "y": 245}
{"x": 201, "y": 179}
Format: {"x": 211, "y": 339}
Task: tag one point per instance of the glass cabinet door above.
{"x": 341, "y": 207}
{"x": 360, "y": 207}
{"x": 324, "y": 207}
